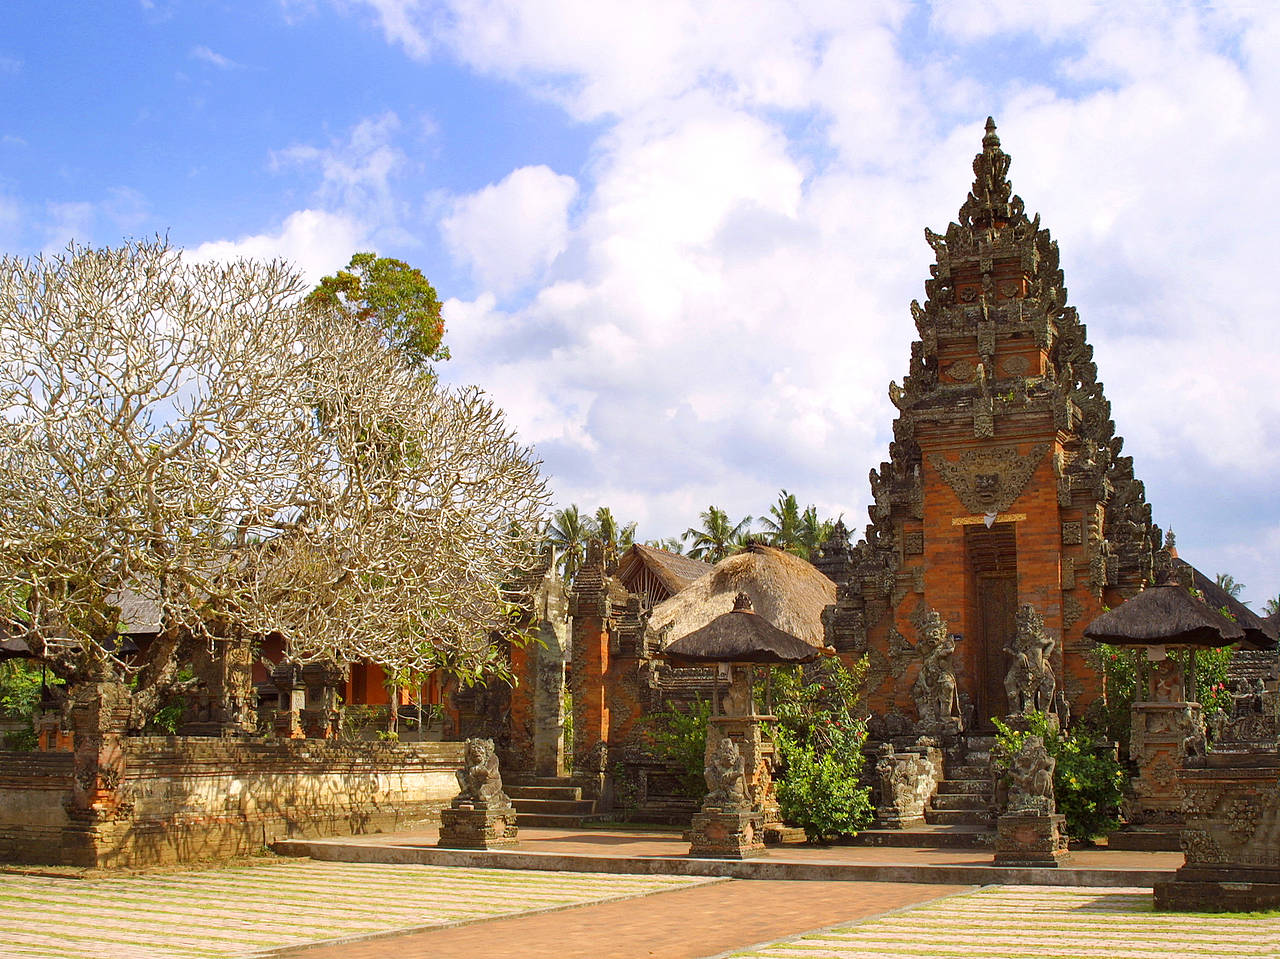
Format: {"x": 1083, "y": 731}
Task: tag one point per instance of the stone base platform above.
{"x": 1220, "y": 896}
{"x": 477, "y": 826}
{"x": 726, "y": 834}
{"x": 1165, "y": 838}
{"x": 1031, "y": 839}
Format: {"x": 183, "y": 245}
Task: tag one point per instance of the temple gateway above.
{"x": 1005, "y": 518}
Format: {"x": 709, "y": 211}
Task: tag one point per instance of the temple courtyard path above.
{"x": 304, "y": 908}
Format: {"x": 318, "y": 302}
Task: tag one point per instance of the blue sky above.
{"x": 678, "y": 240}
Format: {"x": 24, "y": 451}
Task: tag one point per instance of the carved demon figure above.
{"x": 479, "y": 778}
{"x": 1029, "y": 681}
{"x": 935, "y": 687}
{"x": 1031, "y": 779}
{"x": 726, "y": 776}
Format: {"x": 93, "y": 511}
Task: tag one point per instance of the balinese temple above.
{"x": 1005, "y": 484}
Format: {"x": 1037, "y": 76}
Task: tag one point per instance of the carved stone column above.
{"x": 727, "y": 827}
{"x": 287, "y": 679}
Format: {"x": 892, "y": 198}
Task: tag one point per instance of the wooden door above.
{"x": 997, "y": 605}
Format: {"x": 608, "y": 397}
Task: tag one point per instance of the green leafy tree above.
{"x": 1271, "y": 606}
{"x": 813, "y": 531}
{"x": 568, "y": 534}
{"x": 783, "y": 524}
{"x": 614, "y": 536}
{"x": 718, "y": 536}
{"x": 679, "y": 736}
{"x": 393, "y": 297}
{"x": 1229, "y": 583}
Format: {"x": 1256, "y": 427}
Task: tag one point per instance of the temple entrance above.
{"x": 993, "y": 564}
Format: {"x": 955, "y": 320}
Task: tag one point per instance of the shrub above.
{"x": 679, "y": 736}
{"x": 819, "y": 740}
{"x": 1088, "y": 782}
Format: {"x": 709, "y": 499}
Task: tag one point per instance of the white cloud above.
{"x": 508, "y": 232}
{"x": 212, "y": 58}
{"x": 316, "y": 242}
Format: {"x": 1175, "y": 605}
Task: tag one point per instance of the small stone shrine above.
{"x": 481, "y": 816}
{"x": 1030, "y": 832}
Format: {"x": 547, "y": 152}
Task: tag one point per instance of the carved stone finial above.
{"x": 990, "y": 142}
{"x": 991, "y": 203}
{"x": 742, "y": 603}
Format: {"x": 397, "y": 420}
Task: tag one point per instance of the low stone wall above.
{"x": 172, "y": 799}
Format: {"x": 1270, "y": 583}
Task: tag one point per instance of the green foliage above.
{"x": 1088, "y": 782}
{"x": 19, "y": 699}
{"x": 570, "y": 531}
{"x": 568, "y": 729}
{"x": 819, "y": 739}
{"x": 1211, "y": 679}
{"x": 1121, "y": 672}
{"x": 718, "y": 537}
{"x": 1271, "y": 606}
{"x": 1230, "y": 585}
{"x": 679, "y": 736}
{"x": 391, "y": 296}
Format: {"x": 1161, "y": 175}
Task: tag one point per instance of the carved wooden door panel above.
{"x": 997, "y": 606}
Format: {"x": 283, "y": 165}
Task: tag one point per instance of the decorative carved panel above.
{"x": 1072, "y": 534}
{"x": 913, "y": 542}
{"x": 989, "y": 480}
{"x": 1068, "y": 572}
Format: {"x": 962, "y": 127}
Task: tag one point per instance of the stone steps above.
{"x": 960, "y": 787}
{"x": 552, "y": 803}
{"x": 961, "y": 801}
{"x": 958, "y": 817}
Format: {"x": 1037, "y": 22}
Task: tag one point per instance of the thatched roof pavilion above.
{"x": 1168, "y": 616}
{"x": 740, "y": 636}
{"x": 658, "y": 574}
{"x": 785, "y": 590}
{"x": 1260, "y": 632}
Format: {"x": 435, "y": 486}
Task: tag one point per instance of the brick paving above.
{"x": 249, "y": 909}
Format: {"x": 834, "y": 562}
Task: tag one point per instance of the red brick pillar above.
{"x": 589, "y": 607}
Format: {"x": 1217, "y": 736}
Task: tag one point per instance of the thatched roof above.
{"x": 1164, "y": 615}
{"x": 740, "y": 636}
{"x": 12, "y": 647}
{"x": 1257, "y": 630}
{"x": 672, "y": 570}
{"x": 784, "y": 589}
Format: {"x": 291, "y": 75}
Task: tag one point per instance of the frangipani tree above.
{"x": 255, "y": 464}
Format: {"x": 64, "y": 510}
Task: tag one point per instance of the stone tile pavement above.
{"x": 256, "y": 908}
{"x": 1037, "y": 922}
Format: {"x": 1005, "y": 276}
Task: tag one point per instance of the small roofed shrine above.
{"x": 1005, "y": 487}
{"x": 740, "y": 811}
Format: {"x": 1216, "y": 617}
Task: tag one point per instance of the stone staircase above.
{"x": 550, "y": 802}
{"x": 965, "y": 797}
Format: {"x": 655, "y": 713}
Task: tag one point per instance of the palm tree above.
{"x": 615, "y": 539}
{"x": 1228, "y": 582}
{"x": 813, "y": 531}
{"x": 718, "y": 537}
{"x": 782, "y": 525}
{"x": 568, "y": 533}
{"x": 669, "y": 543}
{"x": 1271, "y": 606}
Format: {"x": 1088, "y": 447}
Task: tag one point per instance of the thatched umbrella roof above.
{"x": 1164, "y": 615}
{"x": 784, "y": 589}
{"x": 740, "y": 636}
{"x": 1261, "y": 632}
{"x": 12, "y": 647}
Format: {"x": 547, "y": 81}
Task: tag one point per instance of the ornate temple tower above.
{"x": 1004, "y": 485}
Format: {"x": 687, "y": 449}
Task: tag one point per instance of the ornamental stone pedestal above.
{"x": 1031, "y": 832}
{"x": 1231, "y": 810}
{"x": 481, "y": 816}
{"x": 728, "y": 827}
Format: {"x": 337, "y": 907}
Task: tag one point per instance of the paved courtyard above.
{"x": 292, "y": 907}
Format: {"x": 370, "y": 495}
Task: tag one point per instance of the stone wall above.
{"x": 173, "y": 799}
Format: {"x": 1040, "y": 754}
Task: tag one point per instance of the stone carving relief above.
{"x": 934, "y": 691}
{"x": 1072, "y": 533}
{"x": 726, "y": 776}
{"x": 479, "y": 779}
{"x": 1072, "y": 610}
{"x": 1031, "y": 779}
{"x": 989, "y": 480}
{"x": 962, "y": 371}
{"x": 1029, "y": 681}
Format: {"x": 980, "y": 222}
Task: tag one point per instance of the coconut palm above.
{"x": 782, "y": 525}
{"x": 1230, "y": 584}
{"x": 1271, "y": 606}
{"x": 568, "y": 534}
{"x": 615, "y": 538}
{"x": 718, "y": 537}
{"x": 813, "y": 531}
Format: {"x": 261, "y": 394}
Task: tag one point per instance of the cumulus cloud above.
{"x": 317, "y": 242}
{"x": 730, "y": 272}
{"x": 510, "y": 231}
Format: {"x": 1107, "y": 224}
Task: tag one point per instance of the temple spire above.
{"x": 991, "y": 203}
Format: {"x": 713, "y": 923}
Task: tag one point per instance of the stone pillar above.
{"x": 536, "y": 735}
{"x": 287, "y": 679}
{"x": 749, "y": 735}
{"x": 225, "y": 703}
{"x": 321, "y": 718}
{"x": 1160, "y": 728}
{"x": 99, "y": 720}
{"x": 590, "y": 610}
